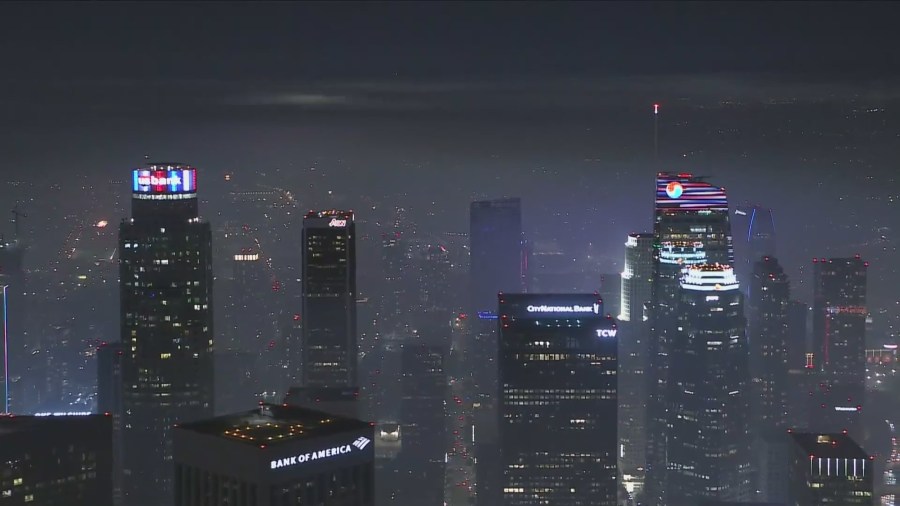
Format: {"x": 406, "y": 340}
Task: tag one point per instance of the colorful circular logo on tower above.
{"x": 674, "y": 190}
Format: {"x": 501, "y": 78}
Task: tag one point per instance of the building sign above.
{"x": 857, "y": 310}
{"x": 358, "y": 445}
{"x": 607, "y": 332}
{"x": 593, "y": 309}
{"x": 336, "y": 223}
{"x": 162, "y": 181}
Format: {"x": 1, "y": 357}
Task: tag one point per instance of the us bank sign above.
{"x": 356, "y": 446}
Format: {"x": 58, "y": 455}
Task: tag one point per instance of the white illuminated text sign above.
{"x": 564, "y": 309}
{"x": 607, "y": 332}
{"x": 337, "y": 223}
{"x": 359, "y": 444}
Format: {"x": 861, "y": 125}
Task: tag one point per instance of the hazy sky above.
{"x": 446, "y": 101}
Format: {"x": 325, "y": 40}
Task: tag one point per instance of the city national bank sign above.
{"x": 356, "y": 446}
{"x": 573, "y": 309}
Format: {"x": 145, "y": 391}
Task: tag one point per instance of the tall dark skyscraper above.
{"x": 839, "y": 343}
{"x": 166, "y": 278}
{"x": 691, "y": 227}
{"x": 637, "y": 283}
{"x": 329, "y": 300}
{"x": 424, "y": 391}
{"x": 768, "y": 332}
{"x": 709, "y": 440}
{"x": 495, "y": 246}
{"x": 557, "y": 400}
{"x": 109, "y": 400}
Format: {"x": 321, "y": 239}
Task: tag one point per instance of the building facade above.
{"x": 637, "y": 283}
{"x": 839, "y": 344}
{"x": 709, "y": 440}
{"x": 275, "y": 455}
{"x": 166, "y": 279}
{"x": 769, "y": 337}
{"x": 56, "y": 460}
{"x": 829, "y": 469}
{"x": 329, "y": 300}
{"x": 557, "y": 401}
{"x": 691, "y": 227}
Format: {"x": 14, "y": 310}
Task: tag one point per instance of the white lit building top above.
{"x": 682, "y": 253}
{"x": 709, "y": 278}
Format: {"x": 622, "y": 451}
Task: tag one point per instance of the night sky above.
{"x": 791, "y": 105}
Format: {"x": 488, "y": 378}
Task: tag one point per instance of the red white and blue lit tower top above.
{"x": 160, "y": 181}
{"x": 685, "y": 192}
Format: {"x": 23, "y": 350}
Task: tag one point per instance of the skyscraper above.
{"x": 768, "y": 332}
{"x": 839, "y": 343}
{"x": 829, "y": 469}
{"x": 329, "y": 299}
{"x": 637, "y": 278}
{"x": 56, "y": 459}
{"x": 109, "y": 400}
{"x": 495, "y": 246}
{"x": 709, "y": 442}
{"x": 691, "y": 227}
{"x": 166, "y": 320}
{"x": 273, "y": 456}
{"x": 557, "y": 401}
{"x": 424, "y": 391}
{"x": 637, "y": 282}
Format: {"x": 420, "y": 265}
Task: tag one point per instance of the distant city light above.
{"x": 102, "y": 224}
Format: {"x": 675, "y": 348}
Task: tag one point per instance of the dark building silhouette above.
{"x": 800, "y": 370}
{"x": 274, "y": 455}
{"x": 839, "y": 344}
{"x": 769, "y": 337}
{"x": 495, "y": 246}
{"x": 424, "y": 392}
{"x": 329, "y": 300}
{"x": 691, "y": 227}
{"x": 709, "y": 440}
{"x": 829, "y": 469}
{"x": 56, "y": 460}
{"x": 557, "y": 400}
{"x": 496, "y": 264}
{"x": 166, "y": 278}
{"x": 110, "y": 357}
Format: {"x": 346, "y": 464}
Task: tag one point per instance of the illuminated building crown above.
{"x": 709, "y": 278}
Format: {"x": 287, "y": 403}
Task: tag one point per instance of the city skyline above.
{"x": 450, "y": 254}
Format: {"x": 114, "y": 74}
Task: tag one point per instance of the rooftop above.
{"x": 829, "y": 445}
{"x": 274, "y": 423}
{"x": 19, "y": 424}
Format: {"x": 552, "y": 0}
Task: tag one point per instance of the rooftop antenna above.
{"x": 656, "y": 132}
{"x": 17, "y": 216}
